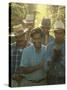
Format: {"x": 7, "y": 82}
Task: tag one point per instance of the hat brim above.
{"x": 24, "y": 21}
{"x": 51, "y": 30}
{"x": 12, "y": 35}
{"x": 56, "y": 29}
{"x": 21, "y": 33}
{"x": 48, "y": 27}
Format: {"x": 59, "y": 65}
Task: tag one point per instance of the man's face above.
{"x": 59, "y": 35}
{"x": 37, "y": 40}
{"x": 21, "y": 40}
{"x": 46, "y": 30}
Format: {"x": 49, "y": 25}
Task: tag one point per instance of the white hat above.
{"x": 17, "y": 27}
{"x": 58, "y": 25}
{"x": 29, "y": 19}
{"x": 19, "y": 30}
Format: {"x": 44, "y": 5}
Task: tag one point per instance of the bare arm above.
{"x": 27, "y": 70}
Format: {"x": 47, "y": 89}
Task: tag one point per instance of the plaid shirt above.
{"x": 15, "y": 57}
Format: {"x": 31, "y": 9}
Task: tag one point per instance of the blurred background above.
{"x": 19, "y": 11}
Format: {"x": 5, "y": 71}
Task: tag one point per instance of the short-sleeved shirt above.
{"x": 31, "y": 58}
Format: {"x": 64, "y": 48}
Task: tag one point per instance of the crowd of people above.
{"x": 37, "y": 58}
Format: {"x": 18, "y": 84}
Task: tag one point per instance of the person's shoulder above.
{"x": 13, "y": 45}
{"x": 51, "y": 37}
{"x": 43, "y": 47}
{"x": 29, "y": 43}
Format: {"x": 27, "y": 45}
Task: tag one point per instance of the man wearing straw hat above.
{"x": 28, "y": 22}
{"x": 17, "y": 49}
{"x": 56, "y": 65}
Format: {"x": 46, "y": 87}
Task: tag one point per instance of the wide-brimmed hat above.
{"x": 19, "y": 30}
{"x": 29, "y": 19}
{"x": 58, "y": 25}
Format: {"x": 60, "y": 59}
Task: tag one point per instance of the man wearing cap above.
{"x": 56, "y": 73}
{"x": 45, "y": 26}
{"x": 17, "y": 49}
{"x": 33, "y": 61}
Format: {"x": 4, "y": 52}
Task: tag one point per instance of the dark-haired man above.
{"x": 33, "y": 61}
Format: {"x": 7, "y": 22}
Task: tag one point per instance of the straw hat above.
{"x": 29, "y": 19}
{"x": 58, "y": 25}
{"x": 19, "y": 30}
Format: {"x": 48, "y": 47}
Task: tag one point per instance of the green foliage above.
{"x": 18, "y": 12}
{"x": 56, "y": 12}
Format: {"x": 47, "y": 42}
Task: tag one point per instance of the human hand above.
{"x": 42, "y": 63}
{"x": 17, "y": 77}
{"x": 57, "y": 53}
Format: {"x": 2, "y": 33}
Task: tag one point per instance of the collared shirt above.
{"x": 58, "y": 68}
{"x": 49, "y": 41}
{"x": 31, "y": 58}
{"x": 16, "y": 53}
{"x": 15, "y": 57}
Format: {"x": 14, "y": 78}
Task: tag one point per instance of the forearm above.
{"x": 30, "y": 69}
{"x": 27, "y": 70}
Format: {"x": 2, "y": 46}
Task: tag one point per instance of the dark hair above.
{"x": 36, "y": 31}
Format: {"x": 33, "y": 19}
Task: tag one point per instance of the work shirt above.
{"x": 58, "y": 69}
{"x": 31, "y": 58}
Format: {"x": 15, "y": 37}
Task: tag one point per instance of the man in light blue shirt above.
{"x": 33, "y": 60}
